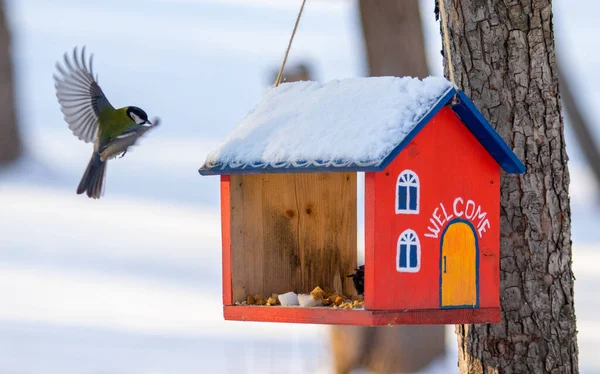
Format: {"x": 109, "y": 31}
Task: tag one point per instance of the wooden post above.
{"x": 504, "y": 58}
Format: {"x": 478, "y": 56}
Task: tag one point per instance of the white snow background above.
{"x": 131, "y": 283}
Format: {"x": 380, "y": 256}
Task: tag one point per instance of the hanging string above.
{"x": 448, "y": 53}
{"x": 280, "y": 75}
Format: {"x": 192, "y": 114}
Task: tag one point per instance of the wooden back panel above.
{"x": 292, "y": 232}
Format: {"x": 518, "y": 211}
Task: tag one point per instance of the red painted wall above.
{"x": 226, "y": 238}
{"x": 450, "y": 164}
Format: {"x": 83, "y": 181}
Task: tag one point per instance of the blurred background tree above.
{"x": 395, "y": 46}
{"x": 581, "y": 125}
{"x": 10, "y": 141}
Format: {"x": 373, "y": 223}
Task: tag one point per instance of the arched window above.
{"x": 407, "y": 193}
{"x": 408, "y": 254}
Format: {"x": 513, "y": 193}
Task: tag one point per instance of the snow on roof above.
{"x": 350, "y": 123}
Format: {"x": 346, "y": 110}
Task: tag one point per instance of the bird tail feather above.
{"x": 93, "y": 178}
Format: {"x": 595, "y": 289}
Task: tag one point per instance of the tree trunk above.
{"x": 395, "y": 46}
{"x": 10, "y": 144}
{"x": 504, "y": 59}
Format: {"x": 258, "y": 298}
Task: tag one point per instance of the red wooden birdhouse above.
{"x": 289, "y": 199}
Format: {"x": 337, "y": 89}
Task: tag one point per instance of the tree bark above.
{"x": 10, "y": 142}
{"x": 504, "y": 59}
{"x": 395, "y": 46}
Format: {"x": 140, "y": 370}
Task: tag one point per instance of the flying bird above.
{"x": 93, "y": 119}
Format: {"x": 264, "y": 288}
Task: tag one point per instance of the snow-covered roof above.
{"x": 352, "y": 124}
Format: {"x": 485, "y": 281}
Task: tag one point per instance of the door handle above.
{"x": 444, "y": 264}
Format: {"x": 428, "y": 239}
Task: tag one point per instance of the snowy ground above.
{"x": 131, "y": 283}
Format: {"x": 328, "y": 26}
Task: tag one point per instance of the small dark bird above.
{"x": 359, "y": 279}
{"x": 93, "y": 119}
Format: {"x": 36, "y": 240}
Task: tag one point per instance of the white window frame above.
{"x": 408, "y": 178}
{"x": 408, "y": 237}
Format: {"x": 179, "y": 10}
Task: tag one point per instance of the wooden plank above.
{"x": 278, "y": 217}
{"x": 297, "y": 315}
{"x": 292, "y": 232}
{"x": 226, "y": 238}
{"x": 247, "y": 253}
{"x": 437, "y": 317}
{"x": 327, "y": 227}
{"x": 360, "y": 317}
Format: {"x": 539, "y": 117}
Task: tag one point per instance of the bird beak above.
{"x": 148, "y": 122}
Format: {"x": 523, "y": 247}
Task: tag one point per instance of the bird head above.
{"x": 359, "y": 279}
{"x": 137, "y": 115}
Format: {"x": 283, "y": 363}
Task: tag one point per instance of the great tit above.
{"x": 92, "y": 118}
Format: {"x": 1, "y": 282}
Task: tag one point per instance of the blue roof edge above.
{"x": 486, "y": 135}
{"x": 464, "y": 109}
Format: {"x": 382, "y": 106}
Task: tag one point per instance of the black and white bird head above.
{"x": 137, "y": 115}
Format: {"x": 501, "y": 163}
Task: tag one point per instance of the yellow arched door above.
{"x": 459, "y": 266}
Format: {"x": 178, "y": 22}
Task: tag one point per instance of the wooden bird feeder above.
{"x": 432, "y": 167}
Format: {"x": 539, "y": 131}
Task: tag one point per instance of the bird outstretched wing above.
{"x": 121, "y": 143}
{"x": 80, "y": 97}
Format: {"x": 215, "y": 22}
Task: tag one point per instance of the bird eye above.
{"x": 136, "y": 119}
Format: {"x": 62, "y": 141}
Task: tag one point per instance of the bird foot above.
{"x": 122, "y": 154}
